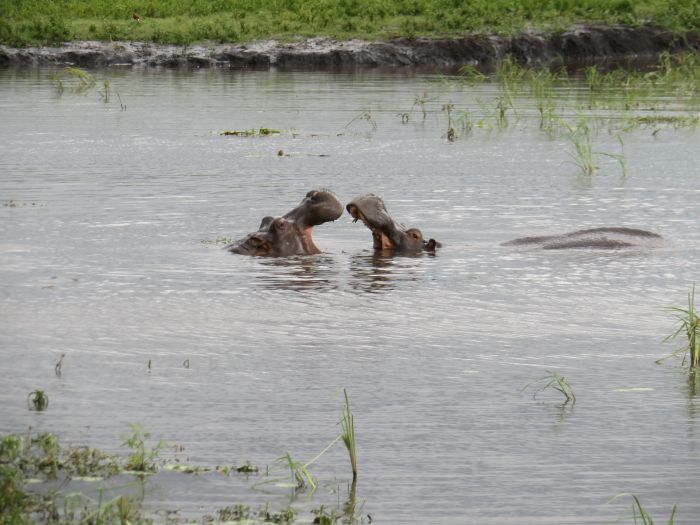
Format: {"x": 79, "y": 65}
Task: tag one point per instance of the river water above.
{"x": 112, "y": 222}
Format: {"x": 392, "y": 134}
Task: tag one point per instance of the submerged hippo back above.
{"x": 600, "y": 238}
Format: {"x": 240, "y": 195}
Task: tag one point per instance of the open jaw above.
{"x": 387, "y": 234}
{"x": 292, "y": 233}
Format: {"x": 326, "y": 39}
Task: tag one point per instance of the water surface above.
{"x": 108, "y": 225}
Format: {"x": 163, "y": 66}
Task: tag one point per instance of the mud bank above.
{"x": 578, "y": 45}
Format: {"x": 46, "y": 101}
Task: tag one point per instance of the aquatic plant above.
{"x": 142, "y": 458}
{"x": 299, "y": 472}
{"x": 580, "y": 136}
{"x": 639, "y": 512}
{"x": 689, "y": 325}
{"x": 556, "y": 382}
{"x": 448, "y": 108}
{"x": 247, "y": 468}
{"x": 38, "y": 400}
{"x": 420, "y": 101}
{"x": 348, "y": 425}
{"x": 323, "y": 517}
{"x": 59, "y": 365}
{"x": 366, "y": 115}
{"x": 260, "y": 132}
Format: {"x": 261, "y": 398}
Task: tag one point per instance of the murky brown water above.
{"x": 102, "y": 258}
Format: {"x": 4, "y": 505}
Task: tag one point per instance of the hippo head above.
{"x": 291, "y": 234}
{"x": 386, "y": 233}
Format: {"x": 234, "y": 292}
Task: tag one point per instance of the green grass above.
{"x": 688, "y": 325}
{"x": 38, "y": 400}
{"x": 640, "y": 515}
{"x": 556, "y": 382}
{"x": 185, "y": 22}
{"x": 348, "y": 424}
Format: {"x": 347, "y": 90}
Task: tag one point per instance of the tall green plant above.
{"x": 348, "y": 424}
{"x": 688, "y": 324}
{"x": 142, "y": 458}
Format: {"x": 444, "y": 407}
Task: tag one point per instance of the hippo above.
{"x": 605, "y": 238}
{"x": 387, "y": 233}
{"x": 291, "y": 233}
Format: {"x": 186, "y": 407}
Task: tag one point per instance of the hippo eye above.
{"x": 256, "y": 241}
{"x": 312, "y": 195}
{"x": 415, "y": 234}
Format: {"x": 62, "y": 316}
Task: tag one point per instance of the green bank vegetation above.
{"x": 185, "y": 22}
{"x": 37, "y": 472}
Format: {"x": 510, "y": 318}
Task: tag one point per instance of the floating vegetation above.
{"x": 247, "y": 468}
{"x": 689, "y": 325}
{"x": 260, "y": 132}
{"x": 16, "y": 204}
{"x": 219, "y": 240}
{"x": 553, "y": 381}
{"x": 38, "y": 400}
{"x": 674, "y": 121}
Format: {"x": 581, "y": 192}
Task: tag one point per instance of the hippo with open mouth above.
{"x": 603, "y": 238}
{"x": 291, "y": 234}
{"x": 387, "y": 233}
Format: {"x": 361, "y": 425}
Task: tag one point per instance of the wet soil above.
{"x": 571, "y": 47}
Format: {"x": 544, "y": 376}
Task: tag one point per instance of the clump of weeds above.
{"x": 142, "y": 458}
{"x": 260, "y": 132}
{"x": 38, "y": 400}
{"x": 689, "y": 326}
{"x": 553, "y": 381}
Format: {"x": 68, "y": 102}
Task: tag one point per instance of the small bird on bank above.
{"x": 136, "y": 16}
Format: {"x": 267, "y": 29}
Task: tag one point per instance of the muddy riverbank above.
{"x": 578, "y": 45}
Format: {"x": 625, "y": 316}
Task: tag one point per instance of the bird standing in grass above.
{"x": 136, "y": 16}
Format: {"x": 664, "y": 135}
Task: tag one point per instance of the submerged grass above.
{"x": 184, "y": 22}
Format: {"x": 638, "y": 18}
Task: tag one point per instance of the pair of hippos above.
{"x": 291, "y": 234}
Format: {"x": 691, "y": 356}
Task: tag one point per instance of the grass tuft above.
{"x": 688, "y": 324}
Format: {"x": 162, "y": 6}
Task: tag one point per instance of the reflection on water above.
{"x": 381, "y": 271}
{"x": 307, "y": 273}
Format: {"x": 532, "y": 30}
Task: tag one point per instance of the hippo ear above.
{"x": 431, "y": 245}
{"x": 265, "y": 223}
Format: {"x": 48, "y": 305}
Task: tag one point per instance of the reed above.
{"x": 641, "y": 515}
{"x": 348, "y": 435}
{"x": 554, "y": 381}
{"x": 580, "y": 136}
{"x": 689, "y": 325}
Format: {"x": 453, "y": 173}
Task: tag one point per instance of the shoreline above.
{"x": 580, "y": 45}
